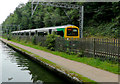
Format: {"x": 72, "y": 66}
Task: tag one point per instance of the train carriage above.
{"x": 65, "y": 31}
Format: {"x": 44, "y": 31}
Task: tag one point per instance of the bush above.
{"x": 68, "y": 50}
{"x": 50, "y": 41}
{"x": 9, "y": 37}
{"x": 34, "y": 40}
{"x": 80, "y": 54}
{"x": 40, "y": 43}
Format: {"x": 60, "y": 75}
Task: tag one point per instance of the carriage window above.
{"x": 42, "y": 33}
{"x": 61, "y": 33}
{"x": 22, "y": 33}
{"x": 72, "y": 32}
{"x": 45, "y": 33}
{"x": 32, "y": 33}
{"x": 27, "y": 33}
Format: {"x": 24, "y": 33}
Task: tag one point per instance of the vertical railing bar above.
{"x": 114, "y": 54}
{"x": 118, "y": 50}
{"x": 94, "y": 48}
{"x": 107, "y": 49}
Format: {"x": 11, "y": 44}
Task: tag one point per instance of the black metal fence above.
{"x": 105, "y": 49}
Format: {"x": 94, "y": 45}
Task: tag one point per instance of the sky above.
{"x": 7, "y": 7}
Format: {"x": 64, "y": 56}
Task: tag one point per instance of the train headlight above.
{"x": 67, "y": 38}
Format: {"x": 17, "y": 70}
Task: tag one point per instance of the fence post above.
{"x": 94, "y": 48}
{"x": 118, "y": 50}
{"x": 70, "y": 46}
{"x": 56, "y": 40}
{"x": 107, "y": 50}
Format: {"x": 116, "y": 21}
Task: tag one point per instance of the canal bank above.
{"x": 86, "y": 70}
{"x": 57, "y": 70}
{"x": 19, "y": 68}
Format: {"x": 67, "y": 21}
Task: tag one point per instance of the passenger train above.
{"x": 65, "y": 31}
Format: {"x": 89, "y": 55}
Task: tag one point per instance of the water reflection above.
{"x": 0, "y": 64}
{"x": 18, "y": 68}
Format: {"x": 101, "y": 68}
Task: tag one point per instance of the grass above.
{"x": 105, "y": 65}
{"x": 71, "y": 73}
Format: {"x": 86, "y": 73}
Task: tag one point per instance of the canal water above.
{"x": 18, "y": 68}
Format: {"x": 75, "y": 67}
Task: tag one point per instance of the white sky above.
{"x": 7, "y": 7}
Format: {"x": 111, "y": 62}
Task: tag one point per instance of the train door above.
{"x": 50, "y": 31}
{"x": 36, "y": 33}
{"x": 61, "y": 33}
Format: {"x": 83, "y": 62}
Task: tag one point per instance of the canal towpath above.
{"x": 88, "y": 71}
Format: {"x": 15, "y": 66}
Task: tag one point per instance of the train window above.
{"x": 45, "y": 33}
{"x": 40, "y": 33}
{"x": 36, "y": 32}
{"x": 61, "y": 33}
{"x": 32, "y": 33}
{"x": 27, "y": 33}
{"x": 72, "y": 32}
{"x": 22, "y": 33}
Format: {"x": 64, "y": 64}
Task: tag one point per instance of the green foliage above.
{"x": 40, "y": 44}
{"x": 68, "y": 50}
{"x": 8, "y": 38}
{"x": 34, "y": 40}
{"x": 47, "y": 20}
{"x": 100, "y": 19}
{"x": 80, "y": 54}
{"x": 72, "y": 53}
{"x": 50, "y": 41}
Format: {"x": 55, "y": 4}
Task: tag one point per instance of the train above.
{"x": 65, "y": 31}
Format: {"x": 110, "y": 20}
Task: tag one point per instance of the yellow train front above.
{"x": 72, "y": 32}
{"x": 68, "y": 32}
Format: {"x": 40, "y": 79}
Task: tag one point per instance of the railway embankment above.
{"x": 71, "y": 70}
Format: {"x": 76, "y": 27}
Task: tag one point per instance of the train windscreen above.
{"x": 72, "y": 32}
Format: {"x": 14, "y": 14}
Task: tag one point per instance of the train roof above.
{"x": 64, "y": 26}
{"x": 41, "y": 29}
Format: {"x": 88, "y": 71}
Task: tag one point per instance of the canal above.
{"x": 18, "y": 68}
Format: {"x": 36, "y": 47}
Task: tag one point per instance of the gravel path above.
{"x": 90, "y": 72}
